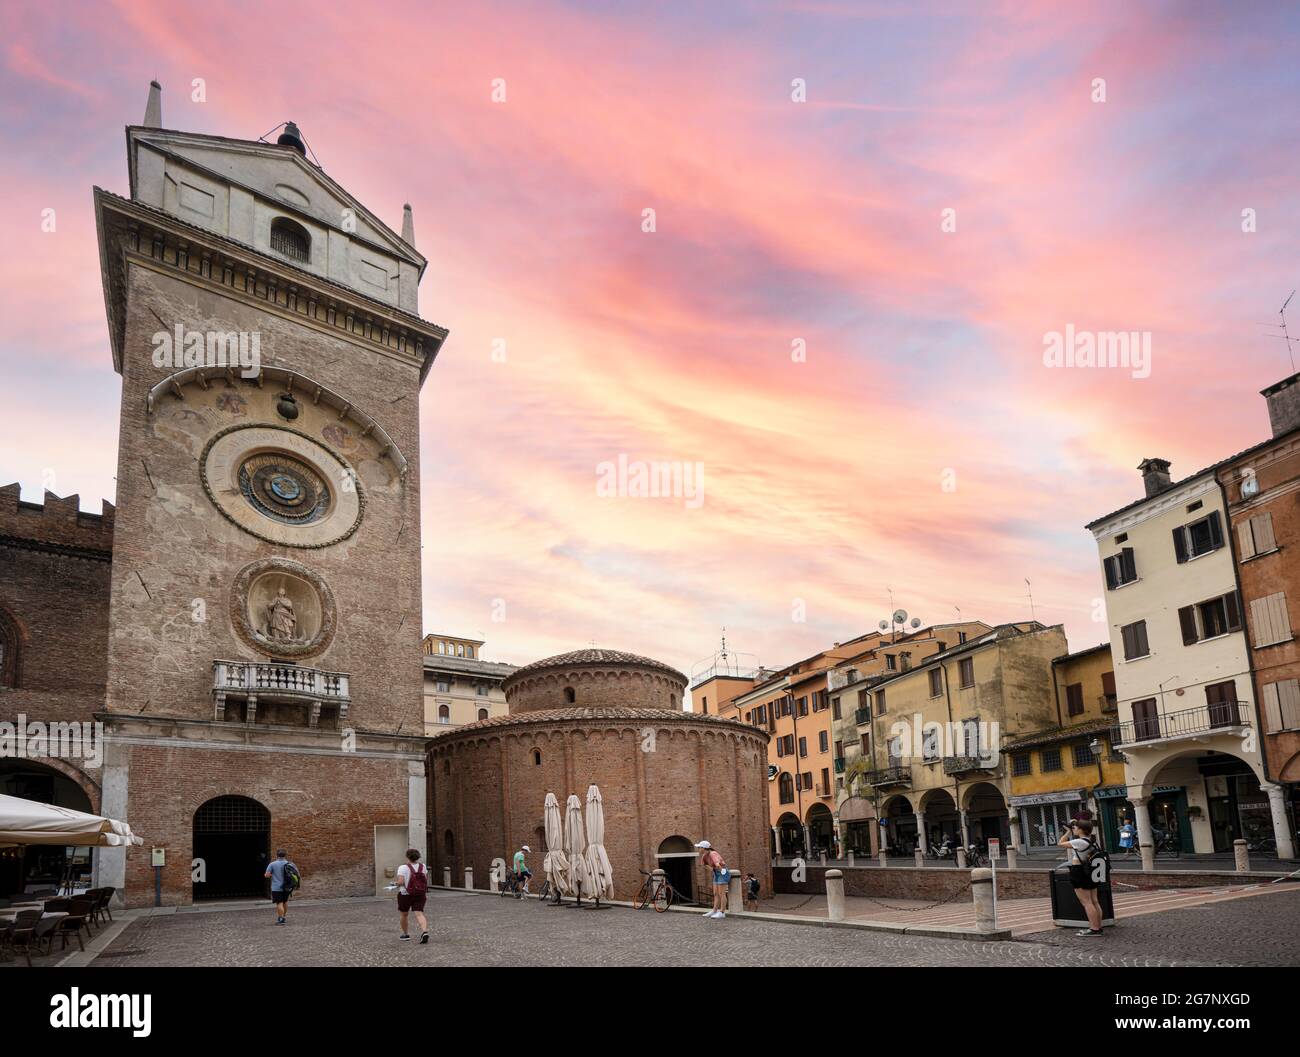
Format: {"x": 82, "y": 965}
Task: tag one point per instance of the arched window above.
{"x": 570, "y": 695}
{"x": 9, "y": 652}
{"x": 482, "y": 714}
{"x": 537, "y": 757}
{"x": 290, "y": 240}
{"x": 444, "y": 714}
{"x": 446, "y": 765}
{"x": 785, "y": 787}
{"x": 449, "y": 843}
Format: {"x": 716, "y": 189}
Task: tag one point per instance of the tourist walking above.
{"x": 1084, "y": 856}
{"x": 751, "y": 892}
{"x": 412, "y": 890}
{"x": 1127, "y": 836}
{"x": 721, "y": 876}
{"x": 284, "y": 879}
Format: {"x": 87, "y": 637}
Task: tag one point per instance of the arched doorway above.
{"x": 676, "y": 858}
{"x": 821, "y": 829}
{"x": 986, "y": 814}
{"x": 232, "y": 835}
{"x": 941, "y": 819}
{"x": 42, "y": 866}
{"x": 857, "y": 819}
{"x": 902, "y": 825}
{"x": 1206, "y": 800}
{"x": 790, "y": 832}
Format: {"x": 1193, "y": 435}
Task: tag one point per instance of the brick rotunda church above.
{"x": 246, "y": 624}
{"x": 667, "y": 777}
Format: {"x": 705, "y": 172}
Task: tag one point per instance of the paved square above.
{"x": 487, "y": 930}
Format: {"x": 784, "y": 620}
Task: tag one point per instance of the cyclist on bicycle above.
{"x": 521, "y": 869}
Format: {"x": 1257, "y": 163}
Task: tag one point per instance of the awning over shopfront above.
{"x": 30, "y": 822}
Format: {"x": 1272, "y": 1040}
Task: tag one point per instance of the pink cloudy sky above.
{"x": 776, "y": 221}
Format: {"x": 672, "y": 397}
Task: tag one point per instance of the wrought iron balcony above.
{"x": 862, "y": 715}
{"x": 966, "y": 764}
{"x": 254, "y": 681}
{"x": 1221, "y": 717}
{"x": 889, "y": 776}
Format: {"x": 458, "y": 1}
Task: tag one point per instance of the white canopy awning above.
{"x": 30, "y": 822}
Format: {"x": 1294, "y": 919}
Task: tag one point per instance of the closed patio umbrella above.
{"x": 598, "y": 867}
{"x": 555, "y": 865}
{"x": 575, "y": 845}
{"x": 29, "y": 822}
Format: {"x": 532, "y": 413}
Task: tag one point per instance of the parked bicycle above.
{"x": 512, "y": 885}
{"x": 1167, "y": 844}
{"x": 655, "y": 890}
{"x": 544, "y": 893}
{"x": 975, "y": 856}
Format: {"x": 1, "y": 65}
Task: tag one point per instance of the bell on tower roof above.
{"x": 408, "y": 226}
{"x": 290, "y": 137}
{"x": 153, "y": 108}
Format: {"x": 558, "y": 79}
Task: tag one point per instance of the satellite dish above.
{"x": 884, "y": 625}
{"x": 900, "y": 616}
{"x": 916, "y": 622}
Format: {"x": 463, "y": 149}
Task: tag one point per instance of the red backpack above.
{"x": 419, "y": 879}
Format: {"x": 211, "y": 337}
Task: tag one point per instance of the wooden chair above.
{"x": 44, "y": 933}
{"x": 83, "y": 908}
{"x": 61, "y": 903}
{"x": 23, "y": 933}
{"x": 106, "y": 901}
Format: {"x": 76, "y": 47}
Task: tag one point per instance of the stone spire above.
{"x": 153, "y": 108}
{"x": 408, "y": 226}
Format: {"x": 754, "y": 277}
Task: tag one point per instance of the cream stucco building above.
{"x": 1182, "y": 667}
{"x": 459, "y": 686}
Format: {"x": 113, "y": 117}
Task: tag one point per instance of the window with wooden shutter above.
{"x": 1222, "y": 701}
{"x": 1146, "y": 719}
{"x": 1269, "y": 620}
{"x": 1255, "y": 536}
{"x": 936, "y": 682}
{"x": 1187, "y": 622}
{"x": 1135, "y": 640}
{"x": 1108, "y": 689}
{"x": 1282, "y": 706}
{"x": 966, "y": 670}
{"x": 1120, "y": 569}
{"x": 1200, "y": 537}
{"x": 1074, "y": 699}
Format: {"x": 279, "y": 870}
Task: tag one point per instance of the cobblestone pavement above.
{"x": 483, "y": 930}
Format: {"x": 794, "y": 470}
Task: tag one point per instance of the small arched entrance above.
{"x": 38, "y": 867}
{"x": 902, "y": 825}
{"x": 942, "y": 822}
{"x": 986, "y": 814}
{"x": 676, "y": 858}
{"x": 232, "y": 835}
{"x": 790, "y": 832}
{"x": 821, "y": 830}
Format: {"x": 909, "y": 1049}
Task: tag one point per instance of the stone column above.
{"x": 417, "y": 808}
{"x": 922, "y": 843}
{"x": 1241, "y": 855}
{"x": 1142, "y": 819}
{"x": 1281, "y": 828}
{"x": 965, "y": 831}
{"x": 776, "y": 836}
{"x": 919, "y": 856}
{"x": 981, "y": 887}
{"x": 835, "y": 895}
{"x": 735, "y": 894}
{"x": 1013, "y": 825}
{"x": 110, "y": 863}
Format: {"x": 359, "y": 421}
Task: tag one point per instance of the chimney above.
{"x": 1155, "y": 475}
{"x": 1283, "y": 405}
{"x": 153, "y": 106}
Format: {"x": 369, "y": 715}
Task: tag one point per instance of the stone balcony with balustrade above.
{"x": 253, "y": 683}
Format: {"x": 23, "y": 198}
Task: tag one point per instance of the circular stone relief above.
{"x": 282, "y": 486}
{"x": 282, "y": 608}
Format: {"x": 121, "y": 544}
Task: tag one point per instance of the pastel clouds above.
{"x": 825, "y": 479}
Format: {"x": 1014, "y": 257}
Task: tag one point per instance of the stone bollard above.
{"x": 981, "y": 886}
{"x": 835, "y": 895}
{"x": 1242, "y": 856}
{"x": 735, "y": 893}
{"x": 446, "y": 877}
{"x": 1011, "y": 858}
{"x": 469, "y": 877}
{"x": 851, "y": 857}
{"x": 822, "y": 855}
{"x": 493, "y": 885}
{"x": 919, "y": 855}
{"x": 961, "y": 858}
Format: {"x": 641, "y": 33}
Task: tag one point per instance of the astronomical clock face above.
{"x": 282, "y": 486}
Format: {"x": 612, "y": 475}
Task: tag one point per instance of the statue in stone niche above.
{"x": 282, "y": 623}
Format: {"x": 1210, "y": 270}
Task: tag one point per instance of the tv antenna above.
{"x": 1285, "y": 335}
{"x": 1030, "y": 588}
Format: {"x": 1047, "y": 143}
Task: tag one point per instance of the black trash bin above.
{"x": 1067, "y": 911}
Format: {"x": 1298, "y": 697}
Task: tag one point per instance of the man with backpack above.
{"x": 1088, "y": 866}
{"x": 751, "y": 892}
{"x": 412, "y": 890}
{"x": 284, "y": 879}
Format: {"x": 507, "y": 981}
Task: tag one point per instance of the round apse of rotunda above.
{"x": 282, "y": 486}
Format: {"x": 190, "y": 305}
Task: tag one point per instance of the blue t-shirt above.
{"x": 276, "y": 870}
